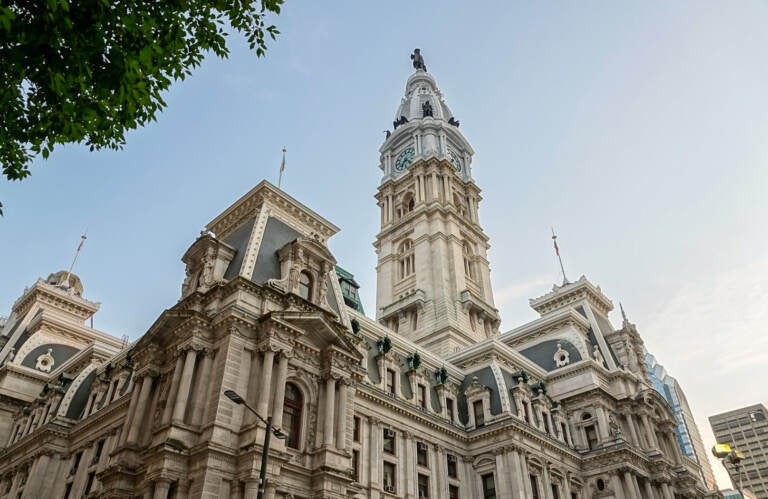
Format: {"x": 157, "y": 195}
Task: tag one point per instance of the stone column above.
{"x": 602, "y": 424}
{"x": 374, "y": 455}
{"x": 251, "y": 489}
{"x": 182, "y": 489}
{"x": 526, "y": 475}
{"x": 200, "y": 399}
{"x": 632, "y": 432}
{"x": 439, "y": 484}
{"x": 567, "y": 485}
{"x": 650, "y": 494}
{"x": 629, "y": 489}
{"x": 652, "y": 441}
{"x": 330, "y": 396}
{"x": 253, "y": 385}
{"x": 518, "y": 485}
{"x": 265, "y": 380}
{"x": 172, "y": 392}
{"x": 546, "y": 481}
{"x": 618, "y": 488}
{"x": 502, "y": 484}
{"x": 162, "y": 486}
{"x": 131, "y": 413}
{"x": 180, "y": 407}
{"x": 141, "y": 408}
{"x": 666, "y": 491}
{"x": 410, "y": 465}
{"x": 469, "y": 478}
{"x": 636, "y": 486}
{"x": 278, "y": 400}
{"x": 341, "y": 418}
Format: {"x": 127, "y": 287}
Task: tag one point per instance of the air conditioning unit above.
{"x": 389, "y": 488}
{"x": 451, "y": 458}
{"x": 389, "y": 433}
{"x": 421, "y": 446}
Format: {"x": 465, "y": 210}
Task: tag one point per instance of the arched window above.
{"x": 305, "y": 285}
{"x": 468, "y": 267}
{"x": 407, "y": 262}
{"x": 408, "y": 203}
{"x": 292, "y": 406}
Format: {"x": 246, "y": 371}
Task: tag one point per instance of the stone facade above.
{"x": 429, "y": 400}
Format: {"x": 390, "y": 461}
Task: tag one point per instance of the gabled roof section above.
{"x": 280, "y": 204}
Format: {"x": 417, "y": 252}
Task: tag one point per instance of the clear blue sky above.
{"x": 637, "y": 129}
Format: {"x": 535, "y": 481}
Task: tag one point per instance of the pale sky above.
{"x": 637, "y": 129}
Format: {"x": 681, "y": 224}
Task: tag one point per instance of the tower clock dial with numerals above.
{"x": 455, "y": 160}
{"x": 404, "y": 159}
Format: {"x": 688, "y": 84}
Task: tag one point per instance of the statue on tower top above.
{"x": 418, "y": 60}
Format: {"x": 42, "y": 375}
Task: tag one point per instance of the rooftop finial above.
{"x": 418, "y": 60}
{"x": 624, "y": 319}
{"x": 65, "y": 282}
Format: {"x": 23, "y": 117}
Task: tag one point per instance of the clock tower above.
{"x": 433, "y": 278}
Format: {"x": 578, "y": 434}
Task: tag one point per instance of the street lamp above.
{"x": 237, "y": 399}
{"x": 734, "y": 456}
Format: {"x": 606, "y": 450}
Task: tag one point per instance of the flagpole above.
{"x": 559, "y": 258}
{"x": 282, "y": 167}
{"x": 77, "y": 254}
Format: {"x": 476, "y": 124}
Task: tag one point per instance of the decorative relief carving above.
{"x": 45, "y": 361}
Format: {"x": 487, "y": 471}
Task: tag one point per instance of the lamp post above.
{"x": 734, "y": 456}
{"x": 237, "y": 399}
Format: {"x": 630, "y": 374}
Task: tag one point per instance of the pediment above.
{"x": 318, "y": 330}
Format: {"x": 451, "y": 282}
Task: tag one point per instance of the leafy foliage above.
{"x": 86, "y": 71}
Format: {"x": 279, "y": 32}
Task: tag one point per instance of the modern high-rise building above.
{"x": 688, "y": 436}
{"x": 746, "y": 429}
{"x": 425, "y": 399}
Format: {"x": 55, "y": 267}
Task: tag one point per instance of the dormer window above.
{"x": 305, "y": 285}
{"x": 479, "y": 413}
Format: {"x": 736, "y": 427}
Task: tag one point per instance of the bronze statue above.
{"x": 418, "y": 60}
{"x": 426, "y": 109}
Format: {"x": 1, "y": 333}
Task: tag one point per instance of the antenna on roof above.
{"x": 65, "y": 283}
{"x": 124, "y": 338}
{"x": 557, "y": 252}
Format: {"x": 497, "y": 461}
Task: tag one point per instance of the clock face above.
{"x": 404, "y": 159}
{"x": 455, "y": 160}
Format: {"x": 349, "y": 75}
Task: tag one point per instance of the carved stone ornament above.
{"x": 562, "y": 357}
{"x": 598, "y": 356}
{"x": 45, "y": 361}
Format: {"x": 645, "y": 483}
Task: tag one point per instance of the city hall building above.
{"x": 424, "y": 398}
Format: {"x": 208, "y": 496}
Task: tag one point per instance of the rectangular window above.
{"x": 356, "y": 464}
{"x": 422, "y": 483}
{"x": 391, "y": 381}
{"x": 421, "y": 454}
{"x": 591, "y": 437}
{"x": 356, "y": 429}
{"x": 76, "y": 463}
{"x": 423, "y": 397}
{"x": 389, "y": 477}
{"x": 477, "y": 407}
{"x": 389, "y": 441}
{"x": 453, "y": 492}
{"x": 452, "y": 466}
{"x": 489, "y": 486}
{"x": 555, "y": 492}
{"x": 89, "y": 483}
{"x": 99, "y": 450}
{"x": 449, "y": 409}
{"x": 534, "y": 486}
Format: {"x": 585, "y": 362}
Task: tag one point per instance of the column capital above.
{"x": 373, "y": 420}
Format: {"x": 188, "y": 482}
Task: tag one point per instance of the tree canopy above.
{"x": 86, "y": 71}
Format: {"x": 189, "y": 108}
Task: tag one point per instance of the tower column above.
{"x": 266, "y": 382}
{"x": 330, "y": 396}
{"x": 182, "y": 397}
{"x": 278, "y": 400}
{"x": 341, "y": 419}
